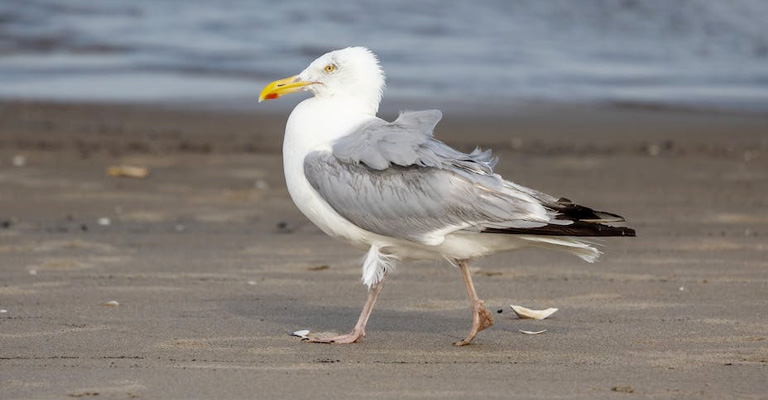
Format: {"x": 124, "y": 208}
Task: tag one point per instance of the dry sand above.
{"x": 213, "y": 266}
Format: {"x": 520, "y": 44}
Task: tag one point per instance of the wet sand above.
{"x": 213, "y": 266}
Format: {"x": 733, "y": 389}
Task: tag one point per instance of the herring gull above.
{"x": 393, "y": 189}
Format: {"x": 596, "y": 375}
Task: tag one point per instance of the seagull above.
{"x": 394, "y": 190}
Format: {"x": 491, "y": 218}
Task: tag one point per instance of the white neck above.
{"x": 349, "y": 102}
{"x": 319, "y": 121}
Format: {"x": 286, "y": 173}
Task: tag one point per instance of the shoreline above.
{"x": 540, "y": 128}
{"x": 391, "y": 105}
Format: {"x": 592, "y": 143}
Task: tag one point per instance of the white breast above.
{"x": 313, "y": 125}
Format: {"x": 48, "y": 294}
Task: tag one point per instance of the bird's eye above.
{"x": 330, "y": 68}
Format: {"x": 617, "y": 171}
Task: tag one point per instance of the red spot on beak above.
{"x": 271, "y": 96}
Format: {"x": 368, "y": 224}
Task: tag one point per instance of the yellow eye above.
{"x": 330, "y": 68}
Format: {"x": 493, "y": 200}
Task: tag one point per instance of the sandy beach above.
{"x": 212, "y": 266}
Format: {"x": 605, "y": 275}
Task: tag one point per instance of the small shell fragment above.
{"x": 532, "y": 332}
{"x": 127, "y": 171}
{"x": 111, "y": 303}
{"x": 3, "y": 311}
{"x": 104, "y": 221}
{"x": 302, "y": 333}
{"x": 527, "y": 313}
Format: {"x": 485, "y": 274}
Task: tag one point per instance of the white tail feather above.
{"x": 376, "y": 265}
{"x": 567, "y": 244}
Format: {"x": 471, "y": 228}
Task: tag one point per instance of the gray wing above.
{"x": 394, "y": 179}
{"x": 405, "y": 142}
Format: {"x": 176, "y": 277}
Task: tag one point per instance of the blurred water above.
{"x": 699, "y": 53}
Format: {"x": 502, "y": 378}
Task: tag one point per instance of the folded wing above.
{"x": 396, "y": 180}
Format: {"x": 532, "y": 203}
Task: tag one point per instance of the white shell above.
{"x": 302, "y": 333}
{"x": 112, "y": 303}
{"x": 527, "y": 313}
{"x": 532, "y": 332}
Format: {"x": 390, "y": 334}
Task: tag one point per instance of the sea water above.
{"x": 706, "y": 54}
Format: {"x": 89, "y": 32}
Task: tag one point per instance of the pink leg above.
{"x": 358, "y": 333}
{"x": 481, "y": 317}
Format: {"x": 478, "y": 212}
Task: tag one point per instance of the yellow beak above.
{"x": 282, "y": 87}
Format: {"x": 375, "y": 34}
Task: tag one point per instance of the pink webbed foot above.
{"x": 358, "y": 333}
{"x": 352, "y": 337}
{"x": 481, "y": 319}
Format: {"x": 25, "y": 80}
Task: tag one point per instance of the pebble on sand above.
{"x": 127, "y": 171}
{"x": 112, "y": 303}
{"x": 261, "y": 184}
{"x": 19, "y": 160}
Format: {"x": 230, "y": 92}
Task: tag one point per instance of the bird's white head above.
{"x": 352, "y": 74}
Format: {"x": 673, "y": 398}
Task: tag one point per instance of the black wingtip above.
{"x": 575, "y": 212}
{"x": 578, "y": 228}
